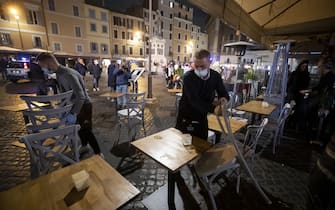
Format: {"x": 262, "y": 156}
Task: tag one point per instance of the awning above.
{"x": 36, "y": 50}
{"x": 9, "y": 49}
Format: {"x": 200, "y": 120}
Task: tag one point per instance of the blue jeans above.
{"x": 122, "y": 89}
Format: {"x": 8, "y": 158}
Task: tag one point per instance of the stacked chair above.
{"x": 50, "y": 142}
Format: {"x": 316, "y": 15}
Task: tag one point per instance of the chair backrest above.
{"x": 252, "y": 136}
{"x": 46, "y": 118}
{"x": 135, "y": 104}
{"x": 284, "y": 113}
{"x": 52, "y": 149}
{"x": 54, "y": 101}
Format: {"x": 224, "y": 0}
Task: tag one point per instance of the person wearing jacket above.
{"x": 199, "y": 90}
{"x": 95, "y": 70}
{"x": 122, "y": 76}
{"x": 81, "y": 112}
{"x": 111, "y": 76}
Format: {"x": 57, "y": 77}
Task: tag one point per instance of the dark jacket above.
{"x": 122, "y": 76}
{"x": 96, "y": 70}
{"x": 198, "y": 95}
{"x": 36, "y": 73}
{"x": 80, "y": 68}
{"x": 111, "y": 77}
{"x": 298, "y": 80}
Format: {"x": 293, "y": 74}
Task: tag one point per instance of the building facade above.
{"x": 97, "y": 31}
{"x": 22, "y": 25}
{"x": 127, "y": 36}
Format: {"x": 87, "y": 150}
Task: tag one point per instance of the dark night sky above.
{"x": 199, "y": 18}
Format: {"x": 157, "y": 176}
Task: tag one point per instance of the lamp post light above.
{"x": 150, "y": 37}
{"x": 17, "y": 18}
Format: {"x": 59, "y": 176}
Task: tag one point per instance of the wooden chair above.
{"x": 52, "y": 149}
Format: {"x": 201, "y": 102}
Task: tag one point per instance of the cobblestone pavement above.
{"x": 283, "y": 176}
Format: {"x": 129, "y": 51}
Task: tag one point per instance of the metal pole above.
{"x": 18, "y": 27}
{"x": 150, "y": 36}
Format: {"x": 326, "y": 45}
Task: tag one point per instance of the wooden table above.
{"x": 255, "y": 107}
{"x": 175, "y": 90}
{"x": 166, "y": 148}
{"x": 213, "y": 124}
{"x": 107, "y": 189}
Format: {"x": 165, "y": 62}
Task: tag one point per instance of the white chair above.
{"x": 52, "y": 149}
{"x": 225, "y": 157}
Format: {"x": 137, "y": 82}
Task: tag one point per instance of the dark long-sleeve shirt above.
{"x": 198, "y": 95}
{"x": 70, "y": 79}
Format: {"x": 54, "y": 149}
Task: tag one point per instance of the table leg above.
{"x": 171, "y": 190}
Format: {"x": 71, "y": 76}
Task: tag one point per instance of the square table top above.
{"x": 256, "y": 107}
{"x": 166, "y": 147}
{"x": 112, "y": 94}
{"x": 107, "y": 189}
{"x": 175, "y": 90}
{"x": 213, "y": 124}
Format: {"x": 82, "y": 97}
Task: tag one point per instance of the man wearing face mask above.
{"x": 81, "y": 113}
{"x": 199, "y": 90}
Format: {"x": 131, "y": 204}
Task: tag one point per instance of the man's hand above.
{"x": 218, "y": 110}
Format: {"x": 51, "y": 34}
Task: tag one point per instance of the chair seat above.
{"x": 215, "y": 158}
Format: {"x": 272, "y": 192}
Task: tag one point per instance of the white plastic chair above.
{"x": 52, "y": 149}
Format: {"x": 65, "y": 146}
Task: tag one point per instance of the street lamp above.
{"x": 150, "y": 36}
{"x": 17, "y": 17}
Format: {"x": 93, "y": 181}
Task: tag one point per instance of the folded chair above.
{"x": 226, "y": 157}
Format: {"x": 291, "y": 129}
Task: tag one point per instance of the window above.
{"x": 77, "y": 31}
{"x": 103, "y": 16}
{"x": 104, "y": 29}
{"x": 79, "y": 48}
{"x": 185, "y": 37}
{"x": 171, "y": 16}
{"x": 54, "y": 28}
{"x": 179, "y": 14}
{"x": 75, "y": 10}
{"x": 37, "y": 41}
{"x": 185, "y": 49}
{"x": 147, "y": 51}
{"x": 162, "y": 25}
{"x": 179, "y": 24}
{"x": 94, "y": 47}
{"x": 33, "y": 17}
{"x": 171, "y": 4}
{"x": 185, "y": 17}
{"x": 91, "y": 13}
{"x": 178, "y": 48}
{"x": 178, "y": 35}
{"x": 130, "y": 36}
{"x": 178, "y": 58}
{"x": 141, "y": 51}
{"x": 57, "y": 46}
{"x": 186, "y": 26}
{"x": 123, "y": 35}
{"x": 192, "y": 28}
{"x": 51, "y": 4}
{"x": 93, "y": 27}
{"x": 104, "y": 48}
{"x": 5, "y": 39}
{"x": 115, "y": 34}
{"x": 123, "y": 49}
{"x": 3, "y": 14}
{"x": 159, "y": 51}
{"x": 162, "y": 13}
{"x": 116, "y": 49}
{"x": 185, "y": 59}
{"x": 170, "y": 36}
{"x": 130, "y": 50}
{"x": 170, "y": 27}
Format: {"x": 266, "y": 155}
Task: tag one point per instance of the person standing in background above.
{"x": 3, "y": 67}
{"x": 95, "y": 69}
{"x": 122, "y": 76}
{"x": 38, "y": 76}
{"x": 112, "y": 77}
{"x": 80, "y": 67}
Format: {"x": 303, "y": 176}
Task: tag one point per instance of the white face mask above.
{"x": 203, "y": 74}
